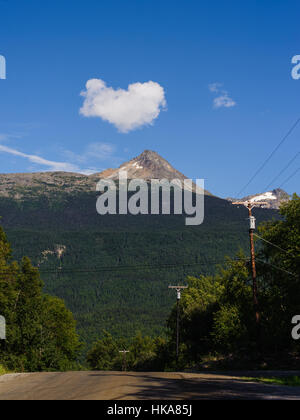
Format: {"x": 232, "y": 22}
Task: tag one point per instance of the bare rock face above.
{"x": 149, "y": 165}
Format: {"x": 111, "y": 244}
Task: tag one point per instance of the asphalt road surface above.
{"x": 136, "y": 386}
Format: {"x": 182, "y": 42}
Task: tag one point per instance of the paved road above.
{"x": 135, "y": 386}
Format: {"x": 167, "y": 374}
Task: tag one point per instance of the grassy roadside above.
{"x": 288, "y": 380}
{"x": 3, "y": 371}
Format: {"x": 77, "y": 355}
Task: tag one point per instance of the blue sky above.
{"x": 222, "y": 95}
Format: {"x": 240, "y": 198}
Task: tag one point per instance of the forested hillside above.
{"x": 113, "y": 271}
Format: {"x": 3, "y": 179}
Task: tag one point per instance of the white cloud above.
{"x": 89, "y": 171}
{"x": 215, "y": 87}
{"x": 51, "y": 165}
{"x": 99, "y": 151}
{"x": 126, "y": 109}
{"x": 223, "y": 100}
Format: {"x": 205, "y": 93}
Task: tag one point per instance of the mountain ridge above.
{"x": 148, "y": 165}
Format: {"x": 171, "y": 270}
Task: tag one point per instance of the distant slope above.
{"x": 149, "y": 165}
{"x": 33, "y": 185}
{"x": 273, "y": 199}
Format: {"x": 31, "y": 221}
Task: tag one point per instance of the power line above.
{"x": 282, "y": 171}
{"x": 270, "y": 156}
{"x": 103, "y": 269}
{"x": 271, "y": 243}
{"x": 114, "y": 268}
{"x": 290, "y": 177}
{"x": 278, "y": 268}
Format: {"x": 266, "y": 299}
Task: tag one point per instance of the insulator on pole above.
{"x": 252, "y": 222}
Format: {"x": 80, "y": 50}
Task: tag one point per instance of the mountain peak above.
{"x": 154, "y": 163}
{"x": 148, "y": 165}
{"x": 149, "y": 154}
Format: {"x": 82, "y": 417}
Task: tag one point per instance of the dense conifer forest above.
{"x": 112, "y": 271}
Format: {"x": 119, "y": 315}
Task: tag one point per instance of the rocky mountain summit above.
{"x": 148, "y": 165}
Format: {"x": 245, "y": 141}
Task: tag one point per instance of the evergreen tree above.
{"x": 41, "y": 333}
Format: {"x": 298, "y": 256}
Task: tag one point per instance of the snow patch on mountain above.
{"x": 266, "y": 196}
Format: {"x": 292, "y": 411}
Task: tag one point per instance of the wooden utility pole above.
{"x": 178, "y": 290}
{"x": 124, "y": 366}
{"x": 253, "y": 264}
{"x": 250, "y": 205}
